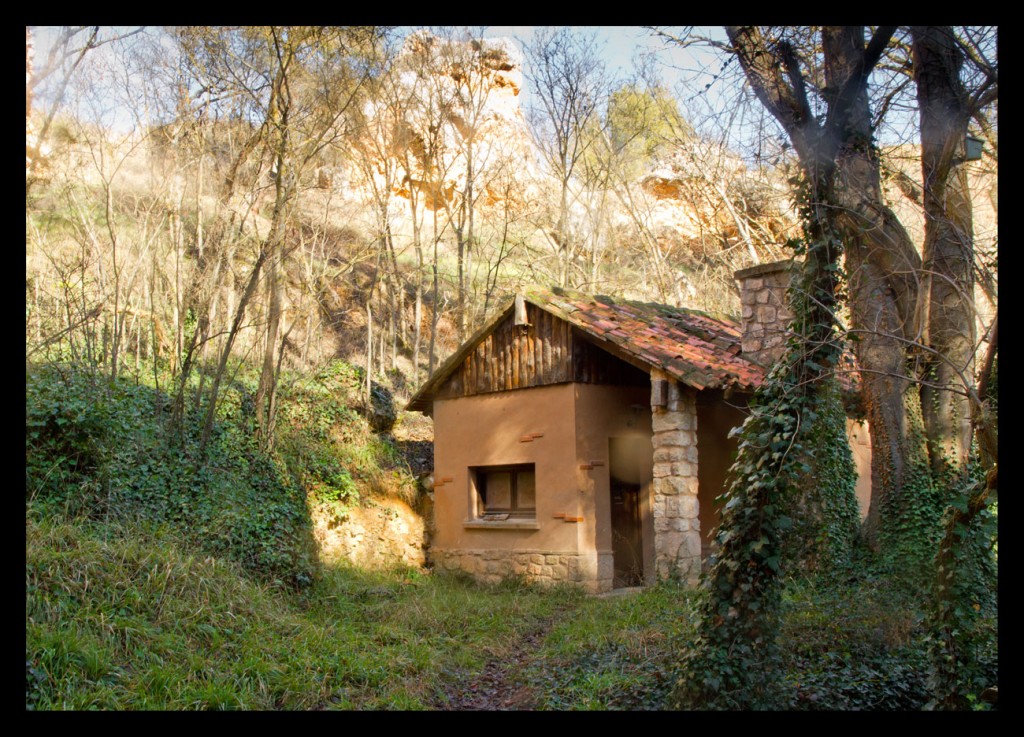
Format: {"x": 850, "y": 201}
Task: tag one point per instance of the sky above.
{"x": 619, "y": 44}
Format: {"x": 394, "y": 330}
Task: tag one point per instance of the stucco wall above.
{"x": 716, "y": 451}
{"x": 561, "y": 430}
{"x": 860, "y": 444}
{"x": 602, "y": 413}
{"x": 535, "y": 425}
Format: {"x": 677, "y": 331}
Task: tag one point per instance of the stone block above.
{"x": 667, "y": 486}
{"x": 673, "y": 486}
{"x": 693, "y": 544}
{"x": 670, "y": 438}
{"x": 682, "y": 469}
{"x": 765, "y": 314}
{"x": 670, "y": 454}
{"x": 666, "y": 421}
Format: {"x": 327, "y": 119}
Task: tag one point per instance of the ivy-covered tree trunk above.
{"x": 734, "y": 664}
{"x": 947, "y": 296}
{"x": 883, "y": 266}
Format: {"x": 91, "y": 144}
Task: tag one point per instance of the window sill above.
{"x": 504, "y": 524}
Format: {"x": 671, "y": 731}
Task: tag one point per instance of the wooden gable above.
{"x": 547, "y": 350}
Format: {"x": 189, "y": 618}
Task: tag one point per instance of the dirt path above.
{"x": 500, "y": 686}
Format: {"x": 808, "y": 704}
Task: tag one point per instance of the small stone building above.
{"x": 585, "y": 439}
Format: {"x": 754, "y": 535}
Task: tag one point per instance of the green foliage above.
{"x": 962, "y": 619}
{"x": 854, "y": 643}
{"x": 736, "y": 663}
{"x": 101, "y": 450}
{"x": 826, "y": 517}
{"x": 329, "y": 447}
{"x": 910, "y": 526}
{"x": 644, "y": 121}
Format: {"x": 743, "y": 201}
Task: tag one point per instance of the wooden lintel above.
{"x": 446, "y": 479}
{"x": 536, "y": 435}
{"x": 437, "y": 484}
{"x": 559, "y": 515}
{"x": 585, "y": 466}
{"x": 573, "y": 519}
{"x": 526, "y": 439}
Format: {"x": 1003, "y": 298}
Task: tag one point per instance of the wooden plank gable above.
{"x": 545, "y": 351}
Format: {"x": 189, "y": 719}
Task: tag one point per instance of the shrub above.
{"x": 103, "y": 449}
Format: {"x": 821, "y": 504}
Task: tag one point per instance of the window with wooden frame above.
{"x": 505, "y": 492}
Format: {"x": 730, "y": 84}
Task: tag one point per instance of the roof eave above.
{"x": 423, "y": 400}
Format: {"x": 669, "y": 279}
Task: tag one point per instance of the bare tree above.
{"x": 568, "y": 81}
{"x": 947, "y": 316}
{"x": 298, "y": 83}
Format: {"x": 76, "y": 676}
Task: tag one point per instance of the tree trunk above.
{"x": 947, "y": 294}
{"x": 881, "y": 261}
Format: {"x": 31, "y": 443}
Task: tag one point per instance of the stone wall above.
{"x": 677, "y": 540}
{"x": 766, "y": 314}
{"x": 379, "y": 534}
{"x": 591, "y": 572}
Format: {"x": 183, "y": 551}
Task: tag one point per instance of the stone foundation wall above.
{"x": 677, "y": 539}
{"x": 592, "y": 572}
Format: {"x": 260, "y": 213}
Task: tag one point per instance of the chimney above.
{"x": 766, "y": 314}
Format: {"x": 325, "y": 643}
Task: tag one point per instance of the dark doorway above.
{"x": 627, "y": 454}
{"x": 627, "y": 548}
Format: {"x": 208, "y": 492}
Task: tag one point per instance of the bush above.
{"x": 853, "y": 644}
{"x": 103, "y": 449}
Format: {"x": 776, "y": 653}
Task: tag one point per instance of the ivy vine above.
{"x": 735, "y": 662}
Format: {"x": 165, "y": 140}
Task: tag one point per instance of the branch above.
{"x": 857, "y": 81}
{"x": 799, "y": 89}
{"x": 689, "y": 39}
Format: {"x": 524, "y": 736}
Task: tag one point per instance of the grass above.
{"x": 134, "y": 619}
{"x": 131, "y": 620}
{"x": 621, "y": 654}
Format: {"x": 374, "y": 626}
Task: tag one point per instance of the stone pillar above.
{"x": 766, "y": 314}
{"x": 677, "y": 543}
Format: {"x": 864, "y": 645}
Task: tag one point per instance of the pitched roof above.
{"x": 696, "y": 348}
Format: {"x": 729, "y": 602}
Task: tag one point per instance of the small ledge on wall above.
{"x": 504, "y": 524}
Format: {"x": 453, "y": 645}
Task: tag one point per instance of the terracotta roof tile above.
{"x": 694, "y": 347}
